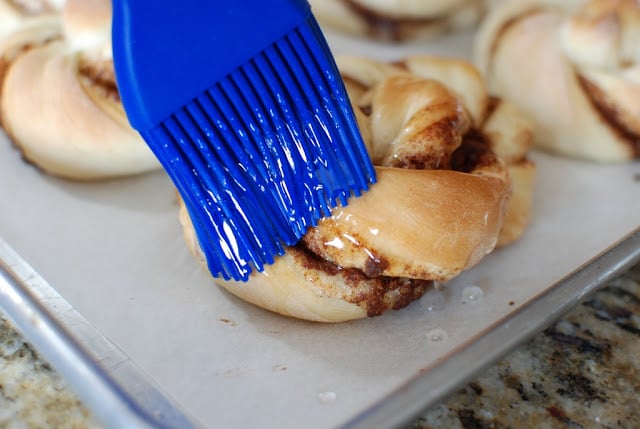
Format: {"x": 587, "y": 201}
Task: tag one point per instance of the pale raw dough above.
{"x": 24, "y": 25}
{"x": 398, "y": 20}
{"x": 571, "y": 66}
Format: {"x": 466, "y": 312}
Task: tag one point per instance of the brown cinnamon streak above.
{"x": 610, "y": 114}
{"x": 376, "y": 299}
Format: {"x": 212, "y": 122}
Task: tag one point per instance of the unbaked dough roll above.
{"x": 397, "y": 20}
{"x": 438, "y": 207}
{"x": 24, "y": 25}
{"x": 573, "y": 67}
{"x": 16, "y": 14}
{"x": 67, "y": 87}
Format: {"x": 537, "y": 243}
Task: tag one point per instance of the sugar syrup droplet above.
{"x": 327, "y": 397}
{"x": 434, "y": 300}
{"x": 472, "y": 294}
{"x": 437, "y": 335}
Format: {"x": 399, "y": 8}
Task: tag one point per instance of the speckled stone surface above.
{"x": 582, "y": 372}
{"x": 32, "y": 395}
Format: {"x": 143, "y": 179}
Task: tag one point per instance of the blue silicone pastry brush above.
{"x": 242, "y": 103}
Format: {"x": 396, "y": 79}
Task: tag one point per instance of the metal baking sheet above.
{"x": 114, "y": 251}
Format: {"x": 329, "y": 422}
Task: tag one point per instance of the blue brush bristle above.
{"x": 264, "y": 153}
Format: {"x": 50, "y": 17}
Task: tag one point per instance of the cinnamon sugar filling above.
{"x": 377, "y": 293}
{"x": 610, "y": 114}
{"x": 99, "y": 76}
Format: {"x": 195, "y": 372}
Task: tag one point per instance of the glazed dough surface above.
{"x": 445, "y": 154}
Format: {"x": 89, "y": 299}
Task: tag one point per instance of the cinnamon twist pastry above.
{"x": 573, "y": 67}
{"x": 66, "y": 86}
{"x": 443, "y": 155}
{"x": 397, "y": 20}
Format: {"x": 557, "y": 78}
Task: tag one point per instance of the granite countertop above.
{"x": 32, "y": 394}
{"x": 581, "y": 372}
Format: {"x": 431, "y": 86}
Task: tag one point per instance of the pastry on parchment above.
{"x": 66, "y": 85}
{"x": 454, "y": 182}
{"x": 573, "y": 67}
{"x": 398, "y": 20}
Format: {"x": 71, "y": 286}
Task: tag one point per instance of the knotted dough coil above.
{"x": 443, "y": 200}
{"x": 573, "y": 67}
{"x": 60, "y": 105}
{"x": 398, "y": 20}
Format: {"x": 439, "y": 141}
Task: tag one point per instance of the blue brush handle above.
{"x": 167, "y": 52}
